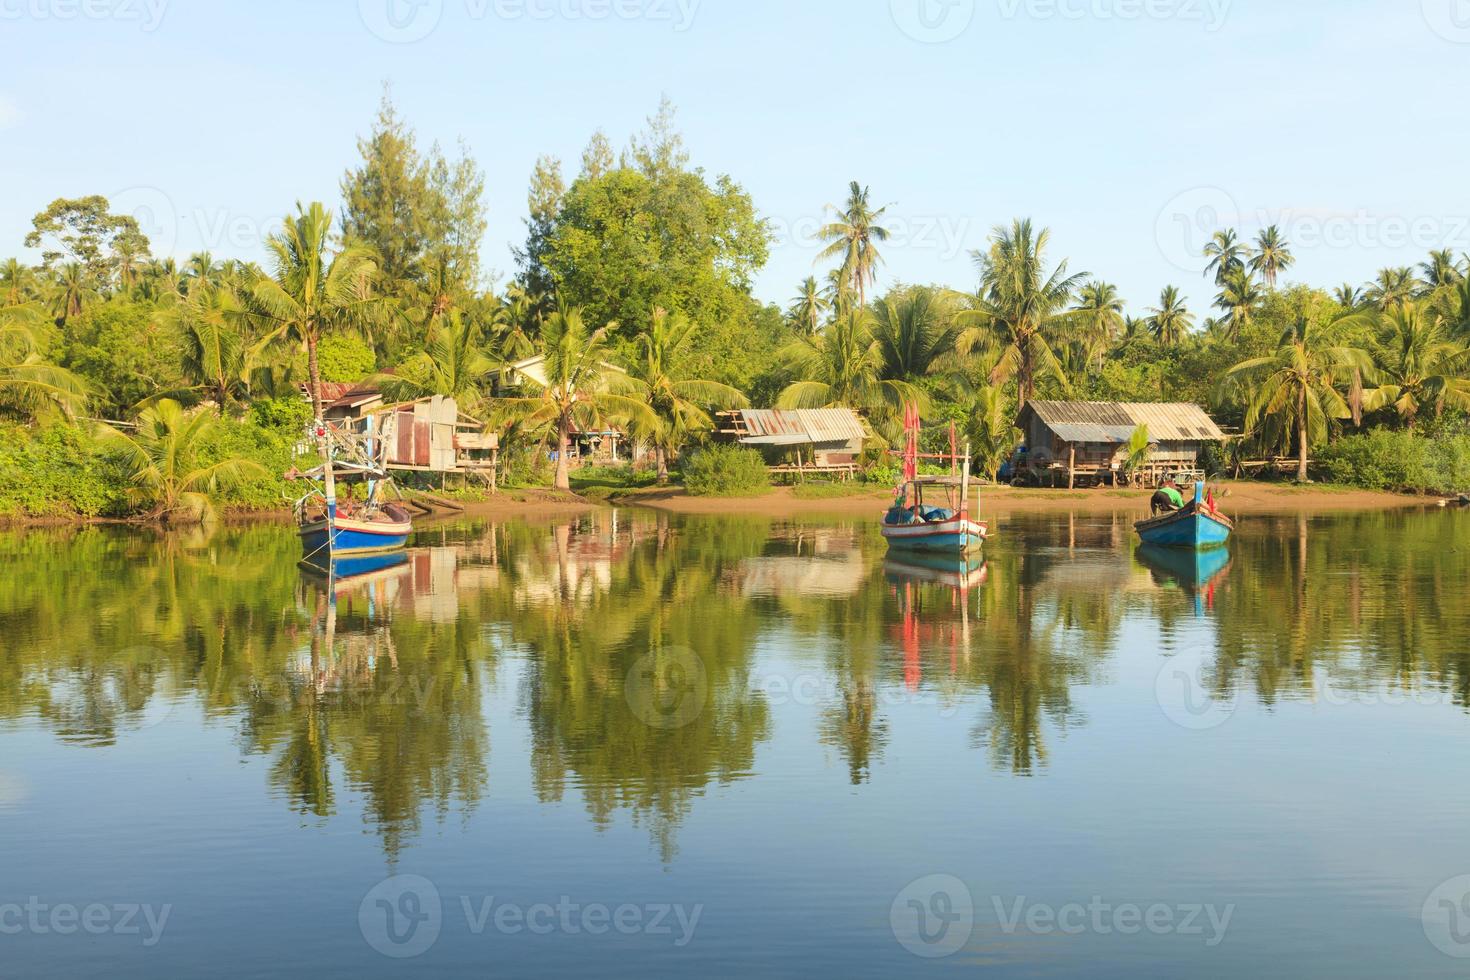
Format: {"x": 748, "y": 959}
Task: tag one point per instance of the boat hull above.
{"x": 953, "y": 537}
{"x": 351, "y": 537}
{"x": 1186, "y": 529}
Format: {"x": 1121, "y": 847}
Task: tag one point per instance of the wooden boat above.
{"x": 1197, "y": 525}
{"x": 329, "y": 530}
{"x": 914, "y": 525}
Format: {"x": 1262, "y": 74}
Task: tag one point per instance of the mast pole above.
{"x": 329, "y": 480}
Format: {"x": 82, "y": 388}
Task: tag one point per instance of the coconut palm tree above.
{"x": 581, "y": 389}
{"x": 1239, "y": 297}
{"x": 31, "y": 386}
{"x": 1294, "y": 389}
{"x": 161, "y": 281}
{"x": 1227, "y": 255}
{"x": 853, "y": 237}
{"x": 453, "y": 364}
{"x": 1102, "y": 319}
{"x": 165, "y": 462}
{"x": 309, "y": 293}
{"x": 1420, "y": 366}
{"x": 1348, "y": 296}
{"x": 1021, "y": 309}
{"x": 18, "y": 283}
{"x": 916, "y": 333}
{"x": 70, "y": 290}
{"x": 808, "y": 307}
{"x": 680, "y": 405}
{"x": 1171, "y": 319}
{"x": 1271, "y": 256}
{"x": 1441, "y": 270}
{"x": 216, "y": 354}
{"x": 989, "y": 425}
{"x": 842, "y": 367}
{"x": 1452, "y": 305}
{"x": 1393, "y": 287}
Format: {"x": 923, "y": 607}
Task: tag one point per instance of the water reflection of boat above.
{"x": 345, "y": 572}
{"x": 1193, "y": 570}
{"x": 955, "y": 572}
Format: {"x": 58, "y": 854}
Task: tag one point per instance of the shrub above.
{"x": 1386, "y": 460}
{"x": 726, "y": 471}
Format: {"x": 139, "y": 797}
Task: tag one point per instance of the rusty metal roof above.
{"x": 1113, "y": 422}
{"x": 775, "y": 427}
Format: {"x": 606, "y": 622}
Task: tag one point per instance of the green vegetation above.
{"x": 726, "y": 471}
{"x": 634, "y": 286}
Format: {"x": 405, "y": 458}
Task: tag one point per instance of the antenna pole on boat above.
{"x": 965, "y": 484}
{"x": 329, "y": 479}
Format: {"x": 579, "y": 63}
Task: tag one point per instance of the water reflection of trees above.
{"x": 108, "y": 631}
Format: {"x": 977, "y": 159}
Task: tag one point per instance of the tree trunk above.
{"x": 314, "y": 373}
{"x": 220, "y": 394}
{"x": 1301, "y": 464}
{"x": 563, "y": 479}
{"x": 662, "y": 457}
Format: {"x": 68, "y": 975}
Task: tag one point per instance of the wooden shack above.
{"x": 1067, "y": 443}
{"x": 812, "y": 440}
{"x": 428, "y": 435}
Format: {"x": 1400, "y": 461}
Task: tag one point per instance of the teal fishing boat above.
{"x": 1198, "y": 524}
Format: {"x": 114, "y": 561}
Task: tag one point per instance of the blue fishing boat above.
{"x": 1196, "y": 525}
{"x": 331, "y": 528}
{"x": 911, "y": 523}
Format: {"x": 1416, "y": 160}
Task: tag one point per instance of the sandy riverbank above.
{"x": 1233, "y": 497}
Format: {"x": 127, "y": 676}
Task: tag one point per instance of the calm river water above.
{"x": 626, "y": 745}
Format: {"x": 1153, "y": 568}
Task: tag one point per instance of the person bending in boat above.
{"x": 1167, "y": 499}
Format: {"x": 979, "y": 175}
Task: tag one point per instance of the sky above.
{"x": 1130, "y": 128}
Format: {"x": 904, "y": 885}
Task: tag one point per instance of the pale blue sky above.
{"x": 1124, "y": 125}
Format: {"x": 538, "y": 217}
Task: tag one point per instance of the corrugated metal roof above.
{"x": 1104, "y": 421}
{"x": 775, "y": 427}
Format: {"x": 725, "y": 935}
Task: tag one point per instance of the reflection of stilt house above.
{"x": 805, "y": 441}
{"x": 428, "y": 435}
{"x": 1068, "y": 443}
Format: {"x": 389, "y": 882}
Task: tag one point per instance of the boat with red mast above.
{"x": 913, "y": 522}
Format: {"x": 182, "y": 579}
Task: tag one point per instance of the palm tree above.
{"x": 808, "y": 307}
{"x": 1294, "y": 389}
{"x": 1348, "y": 296}
{"x": 452, "y": 364}
{"x": 1452, "y": 305}
{"x": 29, "y": 384}
{"x": 916, "y": 333}
{"x": 1441, "y": 270}
{"x": 1102, "y": 319}
{"x": 1420, "y": 365}
{"x": 1272, "y": 256}
{"x": 581, "y": 388}
{"x": 161, "y": 281}
{"x": 215, "y": 352}
{"x": 164, "y": 460}
{"x": 842, "y": 367}
{"x": 989, "y": 425}
{"x": 1226, "y": 254}
{"x": 17, "y": 283}
{"x": 1170, "y": 320}
{"x": 852, "y": 237}
{"x": 1393, "y": 287}
{"x": 1137, "y": 451}
{"x": 1021, "y": 309}
{"x": 679, "y": 404}
{"x": 71, "y": 289}
{"x": 309, "y": 294}
{"x": 837, "y": 294}
{"x": 1239, "y": 298}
